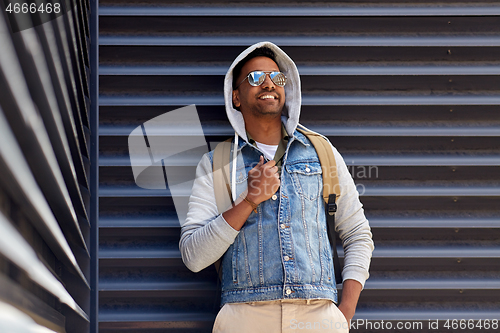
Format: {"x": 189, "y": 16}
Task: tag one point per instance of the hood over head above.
{"x": 293, "y": 99}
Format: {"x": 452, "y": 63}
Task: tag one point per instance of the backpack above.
{"x": 331, "y": 188}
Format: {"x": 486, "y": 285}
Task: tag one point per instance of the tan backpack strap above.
{"x": 222, "y": 189}
{"x": 327, "y": 161}
{"x": 331, "y": 190}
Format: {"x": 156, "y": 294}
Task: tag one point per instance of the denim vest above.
{"x": 282, "y": 251}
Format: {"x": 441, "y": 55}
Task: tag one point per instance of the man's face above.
{"x": 267, "y": 99}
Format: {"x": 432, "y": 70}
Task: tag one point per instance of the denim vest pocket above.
{"x": 306, "y": 178}
{"x": 240, "y": 268}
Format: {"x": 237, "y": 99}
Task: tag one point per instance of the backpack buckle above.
{"x": 332, "y": 206}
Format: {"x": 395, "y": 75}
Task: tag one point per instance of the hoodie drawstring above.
{"x": 233, "y": 178}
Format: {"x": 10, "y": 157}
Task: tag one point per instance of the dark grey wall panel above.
{"x": 407, "y": 91}
{"x": 45, "y": 269}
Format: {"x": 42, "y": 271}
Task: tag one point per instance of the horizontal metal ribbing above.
{"x": 434, "y": 159}
{"x": 332, "y": 129}
{"x": 218, "y": 100}
{"x": 138, "y": 320}
{"x": 112, "y": 286}
{"x": 286, "y": 26}
{"x": 62, "y": 62}
{"x": 139, "y": 222}
{"x": 127, "y": 253}
{"x": 304, "y": 11}
{"x": 24, "y": 189}
{"x": 491, "y": 284}
{"x": 441, "y": 283}
{"x": 55, "y": 62}
{"x": 72, "y": 71}
{"x": 77, "y": 53}
{"x": 44, "y": 221}
{"x": 14, "y": 320}
{"x": 373, "y": 41}
{"x": 121, "y": 318}
{"x": 374, "y": 69}
{"x": 55, "y": 121}
{"x": 410, "y": 253}
{"x": 425, "y": 222}
{"x": 439, "y": 251}
{"x": 33, "y": 138}
{"x": 202, "y": 54}
{"x": 15, "y": 294}
{"x": 15, "y": 248}
{"x": 435, "y": 222}
{"x": 424, "y": 312}
{"x": 375, "y": 288}
{"x": 423, "y": 160}
{"x": 409, "y": 88}
{"x": 415, "y": 190}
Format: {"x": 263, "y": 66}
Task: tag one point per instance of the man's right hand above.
{"x": 263, "y": 181}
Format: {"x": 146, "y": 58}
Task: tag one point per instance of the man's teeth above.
{"x": 266, "y": 97}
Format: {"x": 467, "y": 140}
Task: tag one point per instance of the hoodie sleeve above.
{"x": 205, "y": 235}
{"x": 353, "y": 227}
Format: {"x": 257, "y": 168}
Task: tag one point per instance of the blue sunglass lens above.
{"x": 256, "y": 78}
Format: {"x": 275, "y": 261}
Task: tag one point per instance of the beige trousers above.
{"x": 316, "y": 315}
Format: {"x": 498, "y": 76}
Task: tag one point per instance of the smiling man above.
{"x": 277, "y": 270}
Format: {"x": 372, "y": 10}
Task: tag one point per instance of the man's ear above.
{"x": 236, "y": 99}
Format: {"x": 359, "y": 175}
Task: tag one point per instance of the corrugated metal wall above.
{"x": 407, "y": 91}
{"x": 45, "y": 270}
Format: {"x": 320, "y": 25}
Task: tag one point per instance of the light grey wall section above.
{"x": 408, "y": 91}
{"x": 44, "y": 167}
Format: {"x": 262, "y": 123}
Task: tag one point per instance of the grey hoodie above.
{"x": 206, "y": 236}
{"x": 291, "y": 111}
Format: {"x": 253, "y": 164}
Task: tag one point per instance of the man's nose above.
{"x": 268, "y": 83}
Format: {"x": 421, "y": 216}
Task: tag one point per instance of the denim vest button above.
{"x": 282, "y": 226}
{"x": 307, "y": 169}
{"x": 274, "y": 197}
{"x": 288, "y": 291}
{"x": 286, "y": 258}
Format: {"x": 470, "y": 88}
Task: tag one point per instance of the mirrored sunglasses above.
{"x": 256, "y": 78}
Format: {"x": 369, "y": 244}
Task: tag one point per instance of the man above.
{"x": 277, "y": 267}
